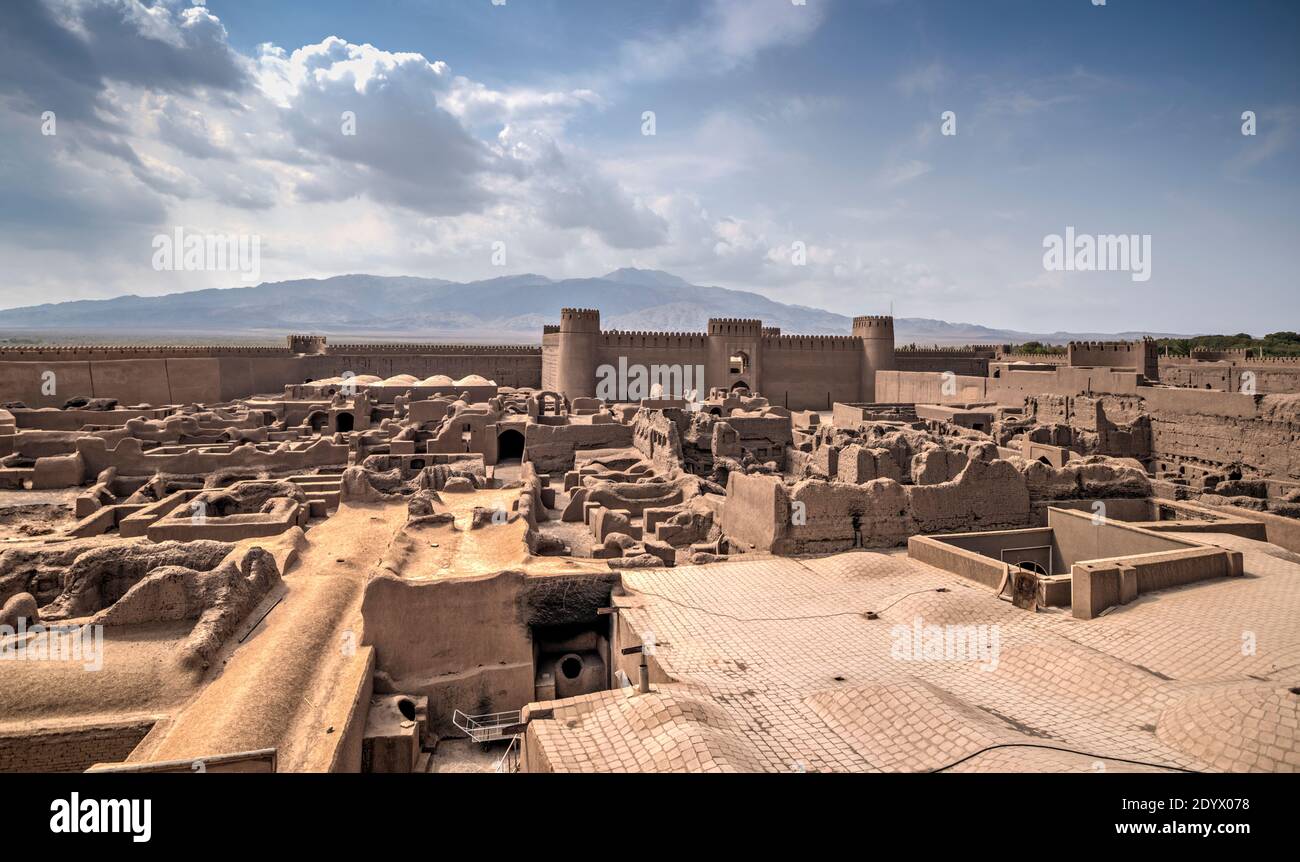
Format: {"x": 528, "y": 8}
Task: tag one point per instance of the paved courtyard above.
{"x": 775, "y": 667}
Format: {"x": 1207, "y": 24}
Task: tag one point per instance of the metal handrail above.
{"x": 509, "y": 761}
{"x": 485, "y": 727}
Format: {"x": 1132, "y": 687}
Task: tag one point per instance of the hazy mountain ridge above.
{"x": 516, "y": 306}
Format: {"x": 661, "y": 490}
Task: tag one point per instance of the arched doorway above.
{"x": 739, "y": 384}
{"x": 344, "y": 422}
{"x": 510, "y": 446}
{"x": 317, "y": 421}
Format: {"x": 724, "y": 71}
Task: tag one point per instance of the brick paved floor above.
{"x": 776, "y": 668}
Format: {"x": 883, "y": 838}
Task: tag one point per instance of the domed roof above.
{"x": 437, "y": 380}
{"x": 474, "y": 380}
{"x": 400, "y": 380}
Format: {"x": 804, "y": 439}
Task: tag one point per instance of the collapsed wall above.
{"x": 815, "y": 516}
{"x": 1256, "y": 434}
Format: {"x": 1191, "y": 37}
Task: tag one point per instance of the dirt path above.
{"x": 276, "y": 688}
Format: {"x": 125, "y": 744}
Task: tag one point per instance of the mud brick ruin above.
{"x": 767, "y": 552}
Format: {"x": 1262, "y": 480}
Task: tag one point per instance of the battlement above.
{"x": 1140, "y": 355}
{"x": 408, "y": 348}
{"x": 550, "y": 328}
{"x": 813, "y": 342}
{"x": 647, "y": 338}
{"x": 307, "y": 344}
{"x": 873, "y": 326}
{"x": 1110, "y": 346}
{"x": 771, "y": 331}
{"x": 1039, "y": 358}
{"x": 735, "y": 326}
{"x": 968, "y": 350}
{"x": 654, "y": 333}
{"x": 134, "y": 351}
{"x": 303, "y": 345}
{"x": 1271, "y": 360}
{"x": 585, "y": 320}
{"x": 1207, "y": 354}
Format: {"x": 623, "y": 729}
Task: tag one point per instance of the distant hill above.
{"x": 512, "y": 307}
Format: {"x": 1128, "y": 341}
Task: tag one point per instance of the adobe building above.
{"x": 1128, "y": 355}
{"x": 799, "y": 372}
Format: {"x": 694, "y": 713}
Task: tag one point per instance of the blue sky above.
{"x": 776, "y": 125}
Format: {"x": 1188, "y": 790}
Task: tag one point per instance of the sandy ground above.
{"x": 35, "y": 514}
{"x": 466, "y": 755}
{"x": 454, "y": 550}
{"x": 274, "y": 689}
{"x": 138, "y": 674}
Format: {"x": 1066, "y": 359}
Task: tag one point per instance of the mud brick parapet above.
{"x": 1139, "y": 355}
{"x": 158, "y": 374}
{"x": 70, "y": 749}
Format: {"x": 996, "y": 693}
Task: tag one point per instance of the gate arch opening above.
{"x": 510, "y": 445}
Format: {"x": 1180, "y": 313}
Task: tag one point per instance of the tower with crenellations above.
{"x": 877, "y": 336}
{"x": 577, "y": 359}
{"x": 800, "y": 372}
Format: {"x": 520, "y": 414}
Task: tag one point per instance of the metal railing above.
{"x": 509, "y": 761}
{"x": 486, "y": 727}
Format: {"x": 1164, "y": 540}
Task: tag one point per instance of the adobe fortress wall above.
{"x": 148, "y": 374}
{"x": 1232, "y": 371}
{"x": 811, "y": 372}
{"x": 1137, "y": 355}
{"x": 802, "y": 372}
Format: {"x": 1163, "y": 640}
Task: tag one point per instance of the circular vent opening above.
{"x": 571, "y": 667}
{"x": 407, "y": 709}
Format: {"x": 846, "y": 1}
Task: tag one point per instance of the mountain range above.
{"x": 511, "y": 307}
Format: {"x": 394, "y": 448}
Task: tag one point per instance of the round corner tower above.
{"x": 877, "y": 334}
{"x": 579, "y": 334}
{"x": 307, "y": 345}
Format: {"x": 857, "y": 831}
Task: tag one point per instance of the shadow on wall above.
{"x": 468, "y": 643}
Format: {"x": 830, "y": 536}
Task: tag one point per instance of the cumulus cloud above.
{"x": 374, "y": 121}
{"x": 155, "y": 109}
{"x": 61, "y": 55}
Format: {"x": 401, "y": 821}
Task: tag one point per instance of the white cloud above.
{"x": 728, "y": 34}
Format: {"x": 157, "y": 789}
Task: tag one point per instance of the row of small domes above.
{"x": 406, "y": 380}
